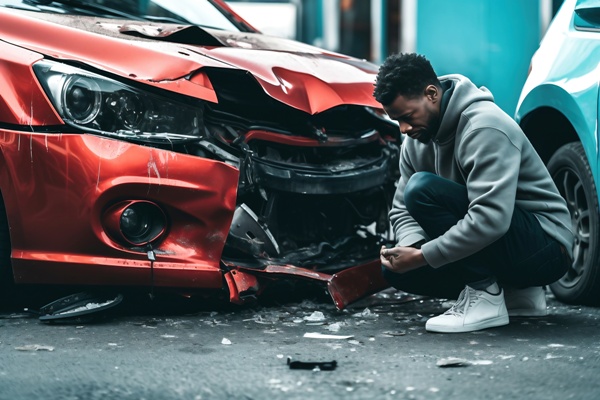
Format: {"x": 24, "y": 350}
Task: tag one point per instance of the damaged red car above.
{"x": 172, "y": 145}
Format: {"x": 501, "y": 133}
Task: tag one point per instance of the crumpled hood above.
{"x": 170, "y": 56}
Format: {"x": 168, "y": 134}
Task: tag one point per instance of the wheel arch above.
{"x": 548, "y": 129}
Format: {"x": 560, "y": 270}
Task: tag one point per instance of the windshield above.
{"x": 196, "y": 12}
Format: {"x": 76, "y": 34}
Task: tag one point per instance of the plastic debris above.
{"x": 79, "y": 307}
{"x": 452, "y": 362}
{"x": 394, "y": 333}
{"x": 316, "y": 316}
{"x": 334, "y": 327}
{"x": 482, "y": 362}
{"x": 317, "y": 335}
{"x": 34, "y": 347}
{"x": 314, "y": 366}
{"x": 366, "y": 313}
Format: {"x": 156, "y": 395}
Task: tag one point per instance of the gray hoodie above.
{"x": 479, "y": 146}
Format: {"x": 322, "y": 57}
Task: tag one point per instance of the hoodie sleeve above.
{"x": 490, "y": 163}
{"x": 406, "y": 229}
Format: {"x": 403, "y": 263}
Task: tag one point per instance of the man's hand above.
{"x": 401, "y": 259}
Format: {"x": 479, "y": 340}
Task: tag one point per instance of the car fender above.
{"x": 583, "y": 119}
{"x": 19, "y": 105}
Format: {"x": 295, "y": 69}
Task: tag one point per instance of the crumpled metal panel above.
{"x": 344, "y": 287}
{"x": 53, "y": 182}
{"x": 301, "y": 76}
{"x": 309, "y": 82}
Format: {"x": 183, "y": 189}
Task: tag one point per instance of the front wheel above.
{"x": 573, "y": 177}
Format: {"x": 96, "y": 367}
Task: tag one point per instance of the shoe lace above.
{"x": 467, "y": 297}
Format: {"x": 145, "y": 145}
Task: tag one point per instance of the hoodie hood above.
{"x": 174, "y": 57}
{"x": 464, "y": 94}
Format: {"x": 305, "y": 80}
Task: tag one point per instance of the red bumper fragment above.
{"x": 344, "y": 287}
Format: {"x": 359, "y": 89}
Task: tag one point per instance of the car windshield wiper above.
{"x": 84, "y": 8}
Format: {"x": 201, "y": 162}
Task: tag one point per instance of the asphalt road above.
{"x": 177, "y": 350}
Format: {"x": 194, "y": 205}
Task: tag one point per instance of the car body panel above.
{"x": 560, "y": 80}
{"x": 19, "y": 104}
{"x": 198, "y": 195}
{"x": 310, "y": 80}
{"x": 344, "y": 287}
{"x": 558, "y": 110}
{"x": 308, "y": 135}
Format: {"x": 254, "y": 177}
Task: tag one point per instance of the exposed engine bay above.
{"x": 314, "y": 190}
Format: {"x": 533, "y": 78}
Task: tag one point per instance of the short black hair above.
{"x": 406, "y": 74}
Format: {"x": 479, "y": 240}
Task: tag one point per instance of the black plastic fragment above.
{"x": 79, "y": 307}
{"x": 321, "y": 365}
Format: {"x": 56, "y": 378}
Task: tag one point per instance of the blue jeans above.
{"x": 525, "y": 256}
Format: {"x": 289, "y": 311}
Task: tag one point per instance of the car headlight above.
{"x": 98, "y": 104}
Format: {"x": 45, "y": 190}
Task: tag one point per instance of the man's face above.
{"x": 419, "y": 117}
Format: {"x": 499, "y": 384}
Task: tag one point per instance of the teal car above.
{"x": 558, "y": 110}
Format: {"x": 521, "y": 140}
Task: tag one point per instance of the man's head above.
{"x": 409, "y": 91}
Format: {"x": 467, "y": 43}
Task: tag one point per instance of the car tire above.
{"x": 573, "y": 177}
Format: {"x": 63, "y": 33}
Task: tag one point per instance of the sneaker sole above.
{"x": 524, "y": 312}
{"x": 489, "y": 323}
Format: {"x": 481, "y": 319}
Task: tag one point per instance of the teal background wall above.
{"x": 489, "y": 41}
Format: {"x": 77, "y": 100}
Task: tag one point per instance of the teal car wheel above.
{"x": 573, "y": 177}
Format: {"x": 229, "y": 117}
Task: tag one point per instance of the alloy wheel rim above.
{"x": 573, "y": 191}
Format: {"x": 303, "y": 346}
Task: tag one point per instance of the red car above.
{"x": 145, "y": 143}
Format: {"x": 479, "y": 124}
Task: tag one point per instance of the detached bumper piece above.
{"x": 344, "y": 287}
{"x": 79, "y": 308}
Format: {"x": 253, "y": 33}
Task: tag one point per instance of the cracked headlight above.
{"x": 102, "y": 105}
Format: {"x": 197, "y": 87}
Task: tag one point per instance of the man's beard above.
{"x": 429, "y": 133}
{"x": 425, "y": 136}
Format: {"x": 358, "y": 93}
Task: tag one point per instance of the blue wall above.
{"x": 490, "y": 41}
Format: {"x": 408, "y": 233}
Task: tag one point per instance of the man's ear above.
{"x": 432, "y": 92}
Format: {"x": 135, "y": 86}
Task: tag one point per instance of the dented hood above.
{"x": 173, "y": 57}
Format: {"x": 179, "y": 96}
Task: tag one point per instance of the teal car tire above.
{"x": 573, "y": 177}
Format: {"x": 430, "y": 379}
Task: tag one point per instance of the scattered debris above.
{"x": 316, "y": 316}
{"x": 460, "y": 362}
{"x": 25, "y": 314}
{"x": 334, "y": 327}
{"x": 79, "y": 307}
{"x": 34, "y": 347}
{"x": 506, "y": 357}
{"x": 452, "y": 362}
{"x": 366, "y": 313}
{"x": 482, "y": 362}
{"x": 225, "y": 341}
{"x": 394, "y": 333}
{"x": 317, "y": 335}
{"x": 312, "y": 365}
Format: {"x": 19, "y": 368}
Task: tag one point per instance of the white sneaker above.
{"x": 528, "y": 302}
{"x": 474, "y": 310}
